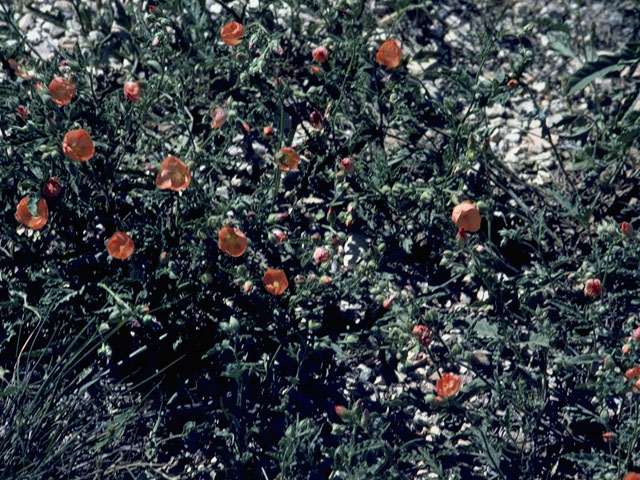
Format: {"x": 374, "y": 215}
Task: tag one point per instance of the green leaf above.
{"x": 538, "y": 340}
{"x": 602, "y": 66}
{"x": 486, "y": 330}
{"x": 589, "y": 72}
{"x": 560, "y": 45}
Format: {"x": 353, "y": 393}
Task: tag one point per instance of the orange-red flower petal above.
{"x": 120, "y": 246}
{"x": 174, "y": 174}
{"x": 232, "y": 241}
{"x": 232, "y": 33}
{"x": 465, "y": 215}
{"x": 28, "y": 219}
{"x": 448, "y": 384}
{"x": 287, "y": 159}
{"x": 62, "y": 90}
{"x": 389, "y": 54}
{"x": 275, "y": 281}
{"x": 77, "y": 145}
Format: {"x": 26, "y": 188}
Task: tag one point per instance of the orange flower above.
{"x": 320, "y": 54}
{"x": 232, "y": 241}
{"x": 389, "y": 54}
{"x": 219, "y": 117}
{"x": 232, "y": 33}
{"x": 465, "y": 215}
{"x": 174, "y": 174}
{"x": 631, "y": 476}
{"x": 62, "y": 90}
{"x": 448, "y": 385}
{"x": 132, "y": 91}
{"x": 275, "y": 281}
{"x": 25, "y": 217}
{"x": 287, "y": 159}
{"x": 630, "y": 375}
{"x": 592, "y": 287}
{"x": 77, "y": 145}
{"x": 267, "y": 130}
{"x": 120, "y": 246}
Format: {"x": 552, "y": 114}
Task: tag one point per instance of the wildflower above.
{"x": 512, "y": 83}
{"x": 232, "y": 241}
{"x": 325, "y": 280}
{"x": 320, "y": 54}
{"x": 120, "y": 246}
{"x": 316, "y": 119}
{"x": 320, "y": 255}
{"x": 279, "y": 235}
{"x": 387, "y": 301}
{"x": 607, "y": 436}
{"x": 232, "y": 33}
{"x": 62, "y": 91}
{"x": 20, "y": 70}
{"x": 422, "y": 334}
{"x": 389, "y": 54}
{"x": 23, "y": 112}
{"x": 246, "y": 128}
{"x": 592, "y": 287}
{"x": 627, "y": 229}
{"x": 631, "y": 476}
{"x": 315, "y": 69}
{"x": 267, "y": 131}
{"x": 340, "y": 411}
{"x": 275, "y": 281}
{"x": 173, "y": 175}
{"x": 448, "y": 385}
{"x": 52, "y": 188}
{"x": 287, "y": 159}
{"x": 630, "y": 375}
{"x": 77, "y": 145}
{"x": 28, "y": 219}
{"x": 132, "y": 91}
{"x": 625, "y": 348}
{"x": 219, "y": 117}
{"x": 465, "y": 215}
{"x": 347, "y": 164}
{"x": 636, "y": 333}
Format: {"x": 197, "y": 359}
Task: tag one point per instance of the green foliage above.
{"x": 177, "y": 363}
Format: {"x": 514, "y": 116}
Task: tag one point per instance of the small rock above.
{"x": 495, "y": 110}
{"x": 354, "y": 249}
{"x": 422, "y": 419}
{"x": 527, "y": 107}
{"x": 33, "y": 36}
{"x": 25, "y": 22}
{"x": 365, "y": 373}
{"x": 513, "y": 137}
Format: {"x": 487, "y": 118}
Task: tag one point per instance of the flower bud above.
{"x": 627, "y": 229}
{"x": 316, "y": 119}
{"x": 347, "y": 164}
{"x": 132, "y": 91}
{"x": 320, "y": 54}
{"x": 320, "y": 255}
{"x": 592, "y": 287}
{"x": 219, "y": 117}
{"x": 52, "y": 188}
